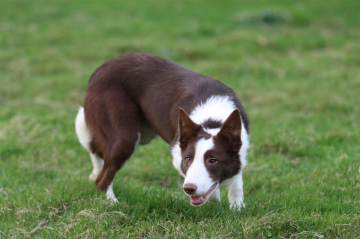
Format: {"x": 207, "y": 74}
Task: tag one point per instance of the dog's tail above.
{"x": 82, "y": 130}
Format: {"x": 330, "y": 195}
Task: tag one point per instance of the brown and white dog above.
{"x": 133, "y": 98}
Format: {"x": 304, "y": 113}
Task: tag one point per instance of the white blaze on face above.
{"x": 219, "y": 107}
{"x": 197, "y": 173}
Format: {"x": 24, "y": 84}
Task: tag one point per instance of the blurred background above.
{"x": 294, "y": 65}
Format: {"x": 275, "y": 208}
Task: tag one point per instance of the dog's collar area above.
{"x": 199, "y": 200}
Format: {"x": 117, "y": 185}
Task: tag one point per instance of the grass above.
{"x": 295, "y": 66}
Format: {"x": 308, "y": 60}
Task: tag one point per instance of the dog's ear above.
{"x": 230, "y": 132}
{"x": 188, "y": 129}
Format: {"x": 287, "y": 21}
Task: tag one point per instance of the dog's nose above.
{"x": 190, "y": 188}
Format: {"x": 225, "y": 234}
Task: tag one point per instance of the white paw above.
{"x": 94, "y": 175}
{"x": 111, "y": 197}
{"x": 237, "y": 206}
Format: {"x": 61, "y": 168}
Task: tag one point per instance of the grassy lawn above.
{"x": 295, "y": 65}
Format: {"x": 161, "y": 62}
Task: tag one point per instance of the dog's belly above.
{"x": 146, "y": 135}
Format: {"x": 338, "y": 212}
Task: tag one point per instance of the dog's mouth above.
{"x": 199, "y": 200}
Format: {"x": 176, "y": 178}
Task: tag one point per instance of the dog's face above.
{"x": 209, "y": 155}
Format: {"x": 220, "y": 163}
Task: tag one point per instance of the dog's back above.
{"x": 152, "y": 87}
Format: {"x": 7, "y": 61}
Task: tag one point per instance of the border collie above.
{"x": 133, "y": 98}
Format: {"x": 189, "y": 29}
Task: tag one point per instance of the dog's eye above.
{"x": 188, "y": 159}
{"x": 213, "y": 161}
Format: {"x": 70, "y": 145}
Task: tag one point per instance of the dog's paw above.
{"x": 111, "y": 197}
{"x": 237, "y": 206}
{"x": 92, "y": 176}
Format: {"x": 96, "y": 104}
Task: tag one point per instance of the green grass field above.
{"x": 295, "y": 65}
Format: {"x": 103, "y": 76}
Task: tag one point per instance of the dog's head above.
{"x": 210, "y": 154}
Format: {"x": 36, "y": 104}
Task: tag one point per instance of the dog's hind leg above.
{"x": 117, "y": 127}
{"x": 115, "y": 156}
{"x": 97, "y": 163}
{"x": 85, "y": 139}
{"x": 110, "y": 193}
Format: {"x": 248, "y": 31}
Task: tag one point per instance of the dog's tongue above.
{"x": 197, "y": 200}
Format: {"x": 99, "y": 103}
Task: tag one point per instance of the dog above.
{"x": 135, "y": 97}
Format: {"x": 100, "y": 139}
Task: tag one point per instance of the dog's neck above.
{"x": 213, "y": 112}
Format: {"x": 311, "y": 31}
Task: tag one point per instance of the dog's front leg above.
{"x": 236, "y": 194}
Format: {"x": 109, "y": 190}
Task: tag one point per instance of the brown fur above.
{"x": 227, "y": 145}
{"x": 141, "y": 93}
